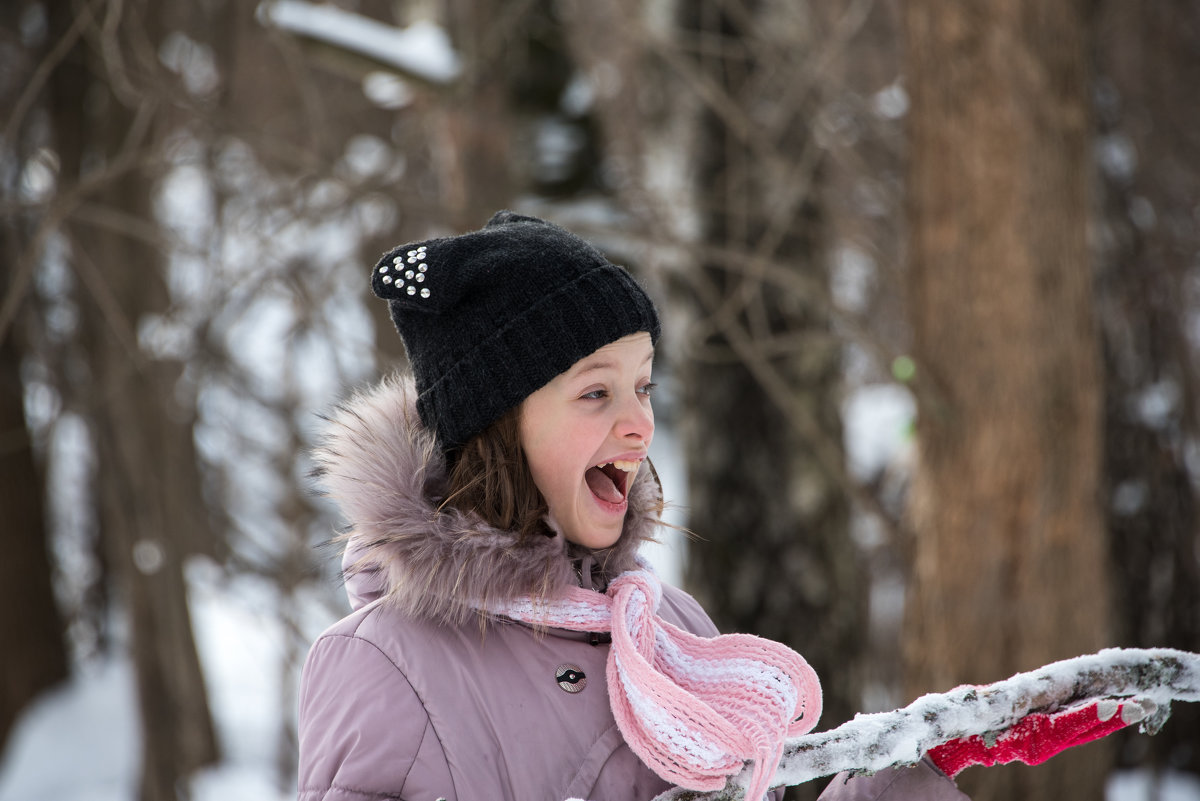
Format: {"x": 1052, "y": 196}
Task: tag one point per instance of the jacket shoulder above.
{"x": 364, "y": 732}
{"x": 685, "y": 611}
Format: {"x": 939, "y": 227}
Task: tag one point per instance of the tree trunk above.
{"x": 151, "y": 511}
{"x": 760, "y": 390}
{"x": 1009, "y": 567}
{"x": 476, "y": 175}
{"x": 30, "y": 625}
{"x": 1148, "y": 58}
{"x": 145, "y": 465}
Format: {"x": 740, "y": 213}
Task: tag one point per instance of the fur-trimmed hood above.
{"x": 383, "y": 468}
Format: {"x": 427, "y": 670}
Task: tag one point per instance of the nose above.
{"x": 635, "y": 421}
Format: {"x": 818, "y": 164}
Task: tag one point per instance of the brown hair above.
{"x": 490, "y": 477}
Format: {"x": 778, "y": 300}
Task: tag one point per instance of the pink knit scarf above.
{"x": 693, "y": 709}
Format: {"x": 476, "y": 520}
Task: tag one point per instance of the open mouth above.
{"x": 610, "y": 481}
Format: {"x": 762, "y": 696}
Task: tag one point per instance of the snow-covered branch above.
{"x": 421, "y": 51}
{"x": 870, "y": 743}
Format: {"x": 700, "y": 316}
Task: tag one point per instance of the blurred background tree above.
{"x": 1147, "y": 237}
{"x": 823, "y": 196}
{"x": 1009, "y": 558}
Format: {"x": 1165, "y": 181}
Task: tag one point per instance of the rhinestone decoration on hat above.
{"x": 415, "y": 257}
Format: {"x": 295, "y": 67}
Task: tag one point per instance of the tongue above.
{"x": 602, "y": 486}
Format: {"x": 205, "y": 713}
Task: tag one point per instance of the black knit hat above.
{"x": 491, "y": 316}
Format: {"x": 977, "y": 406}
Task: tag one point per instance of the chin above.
{"x": 596, "y": 540}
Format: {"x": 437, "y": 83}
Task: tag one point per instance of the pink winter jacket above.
{"x": 416, "y": 696}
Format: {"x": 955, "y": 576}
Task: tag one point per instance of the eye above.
{"x": 595, "y": 394}
{"x": 648, "y": 388}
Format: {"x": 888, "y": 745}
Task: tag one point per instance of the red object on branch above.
{"x": 1037, "y": 737}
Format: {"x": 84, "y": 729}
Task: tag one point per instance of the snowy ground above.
{"x": 80, "y": 743}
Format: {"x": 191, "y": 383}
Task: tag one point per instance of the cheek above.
{"x": 557, "y": 467}
{"x": 548, "y": 463}
{"x": 546, "y": 473}
{"x": 560, "y": 460}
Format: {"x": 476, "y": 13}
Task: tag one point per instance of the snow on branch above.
{"x": 421, "y": 51}
{"x": 870, "y": 743}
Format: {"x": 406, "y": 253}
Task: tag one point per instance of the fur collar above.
{"x": 382, "y": 467}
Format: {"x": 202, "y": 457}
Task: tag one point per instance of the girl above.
{"x": 506, "y": 641}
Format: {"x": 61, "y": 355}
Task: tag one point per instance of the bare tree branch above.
{"x": 43, "y": 72}
{"x": 362, "y": 43}
{"x": 58, "y": 211}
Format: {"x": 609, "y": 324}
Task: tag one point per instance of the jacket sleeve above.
{"x": 364, "y": 733}
{"x": 921, "y": 782}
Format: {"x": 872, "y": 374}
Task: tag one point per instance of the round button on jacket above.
{"x": 570, "y": 678}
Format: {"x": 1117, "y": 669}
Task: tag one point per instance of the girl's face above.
{"x": 586, "y": 433}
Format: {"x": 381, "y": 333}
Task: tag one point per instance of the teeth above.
{"x": 622, "y": 465}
